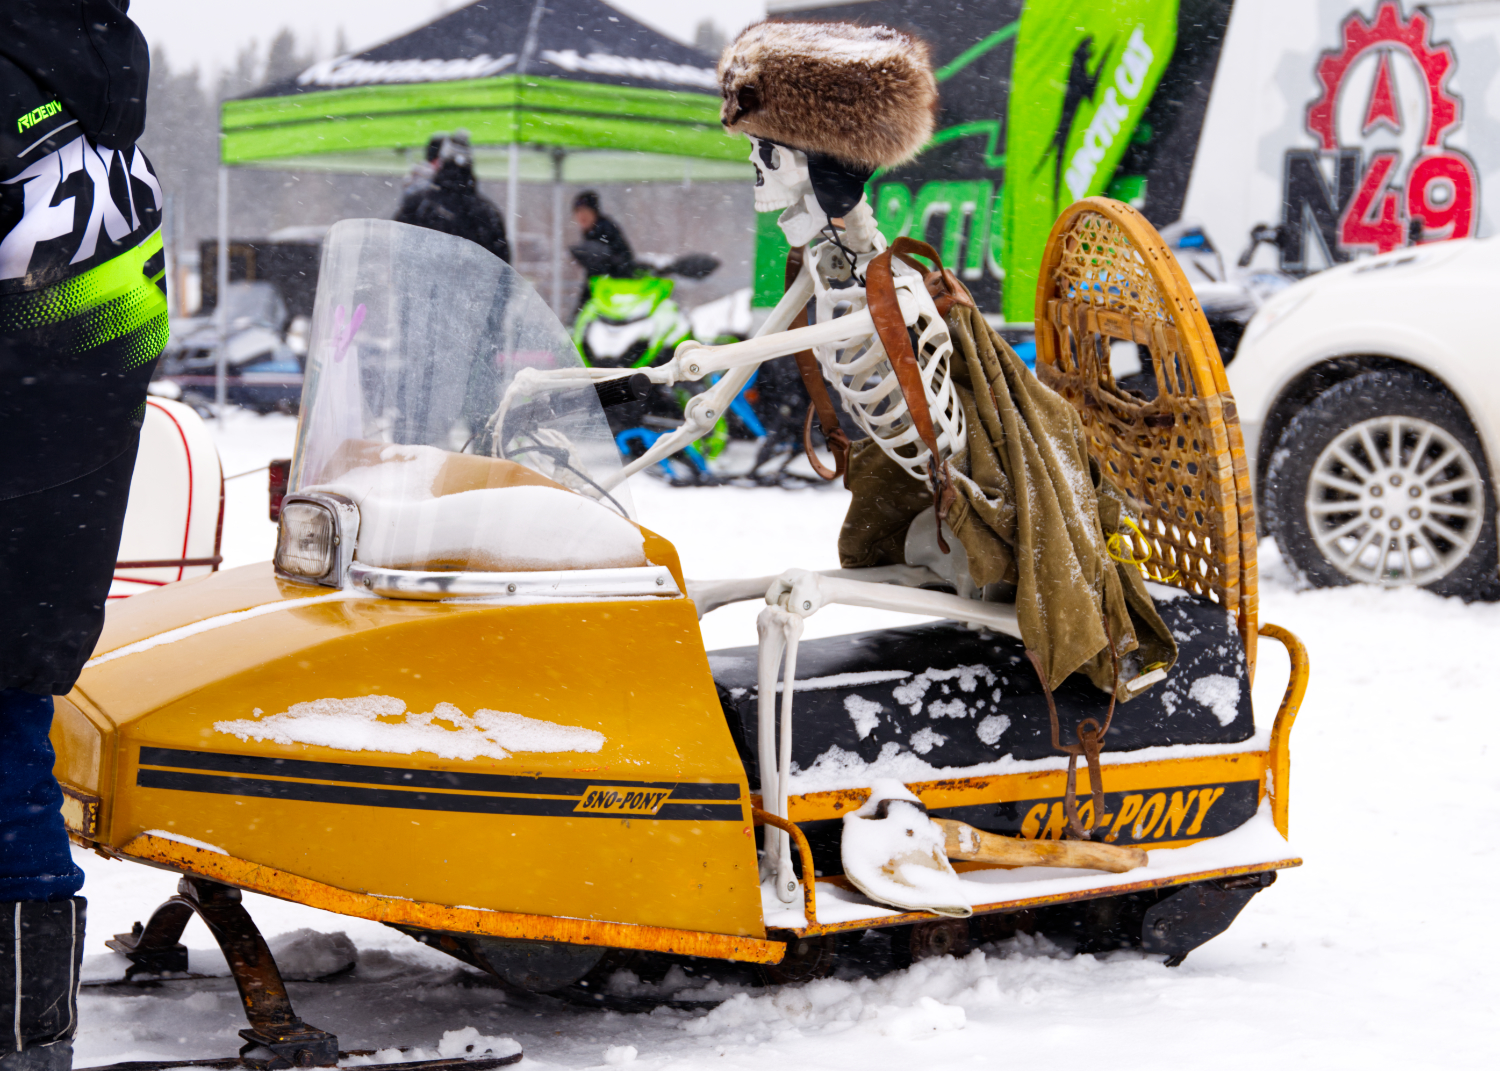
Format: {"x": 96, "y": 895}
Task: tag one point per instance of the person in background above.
{"x": 452, "y": 203}
{"x": 83, "y": 318}
{"x": 420, "y": 176}
{"x": 604, "y": 249}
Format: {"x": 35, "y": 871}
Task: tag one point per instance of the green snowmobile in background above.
{"x": 633, "y": 322}
{"x": 630, "y": 322}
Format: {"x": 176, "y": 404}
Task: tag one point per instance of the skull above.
{"x": 782, "y": 181}
{"x": 781, "y": 178}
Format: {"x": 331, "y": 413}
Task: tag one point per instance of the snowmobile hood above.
{"x": 190, "y": 635}
{"x": 435, "y": 751}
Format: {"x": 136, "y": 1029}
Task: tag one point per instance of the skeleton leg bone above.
{"x": 709, "y": 595}
{"x": 779, "y": 633}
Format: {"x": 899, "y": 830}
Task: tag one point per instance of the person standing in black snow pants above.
{"x": 83, "y": 318}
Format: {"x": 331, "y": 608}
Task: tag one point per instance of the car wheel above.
{"x": 1381, "y": 480}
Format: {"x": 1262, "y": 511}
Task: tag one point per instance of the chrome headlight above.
{"x": 316, "y": 537}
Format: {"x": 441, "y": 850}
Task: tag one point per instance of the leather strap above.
{"x": 890, "y": 325}
{"x": 943, "y": 286}
{"x": 817, "y": 392}
{"x": 946, "y": 292}
{"x": 1090, "y": 743}
{"x": 840, "y": 450}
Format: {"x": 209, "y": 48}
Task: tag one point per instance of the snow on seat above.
{"x": 423, "y": 508}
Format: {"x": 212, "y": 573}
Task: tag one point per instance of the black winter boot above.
{"x": 41, "y": 947}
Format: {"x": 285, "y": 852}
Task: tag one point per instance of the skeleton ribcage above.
{"x": 862, "y": 375}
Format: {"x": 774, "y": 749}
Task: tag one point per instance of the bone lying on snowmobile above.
{"x": 965, "y": 843}
{"x": 896, "y": 855}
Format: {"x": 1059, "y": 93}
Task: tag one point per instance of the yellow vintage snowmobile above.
{"x": 470, "y": 697}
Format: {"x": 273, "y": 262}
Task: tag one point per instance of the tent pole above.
{"x": 557, "y": 230}
{"x": 512, "y": 196}
{"x": 169, "y": 249}
{"x": 221, "y": 359}
{"x": 512, "y": 190}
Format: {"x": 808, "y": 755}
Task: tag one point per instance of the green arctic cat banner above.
{"x": 1081, "y": 79}
{"x": 1043, "y": 102}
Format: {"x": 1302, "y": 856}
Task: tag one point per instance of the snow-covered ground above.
{"x": 1379, "y": 952}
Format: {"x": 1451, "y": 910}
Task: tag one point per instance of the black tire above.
{"x": 1443, "y": 541}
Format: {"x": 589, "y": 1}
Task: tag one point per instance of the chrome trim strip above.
{"x": 647, "y": 580}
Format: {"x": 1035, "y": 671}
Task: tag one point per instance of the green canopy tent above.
{"x": 549, "y": 90}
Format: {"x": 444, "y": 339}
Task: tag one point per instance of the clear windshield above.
{"x": 439, "y": 396}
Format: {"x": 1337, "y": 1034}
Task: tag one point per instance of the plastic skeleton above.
{"x": 844, "y": 340}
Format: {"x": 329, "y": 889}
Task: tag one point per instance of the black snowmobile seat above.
{"x": 866, "y": 705}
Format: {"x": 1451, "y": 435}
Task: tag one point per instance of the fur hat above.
{"x": 864, "y": 95}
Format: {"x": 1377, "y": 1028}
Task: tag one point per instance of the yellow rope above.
{"x": 1121, "y": 550}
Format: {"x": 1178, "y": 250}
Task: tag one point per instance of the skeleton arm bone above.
{"x": 701, "y": 413}
{"x": 694, "y": 360}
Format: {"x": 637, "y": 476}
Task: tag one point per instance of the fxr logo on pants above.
{"x": 1140, "y": 816}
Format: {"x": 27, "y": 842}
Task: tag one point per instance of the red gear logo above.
{"x": 1439, "y": 197}
{"x": 1385, "y": 32}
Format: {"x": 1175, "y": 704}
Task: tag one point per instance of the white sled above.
{"x": 175, "y": 518}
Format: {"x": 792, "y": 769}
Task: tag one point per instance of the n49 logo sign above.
{"x": 1382, "y": 122}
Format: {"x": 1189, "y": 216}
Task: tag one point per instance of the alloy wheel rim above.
{"x": 1396, "y": 501}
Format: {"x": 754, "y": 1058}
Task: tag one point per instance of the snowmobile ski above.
{"x": 236, "y": 1063}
